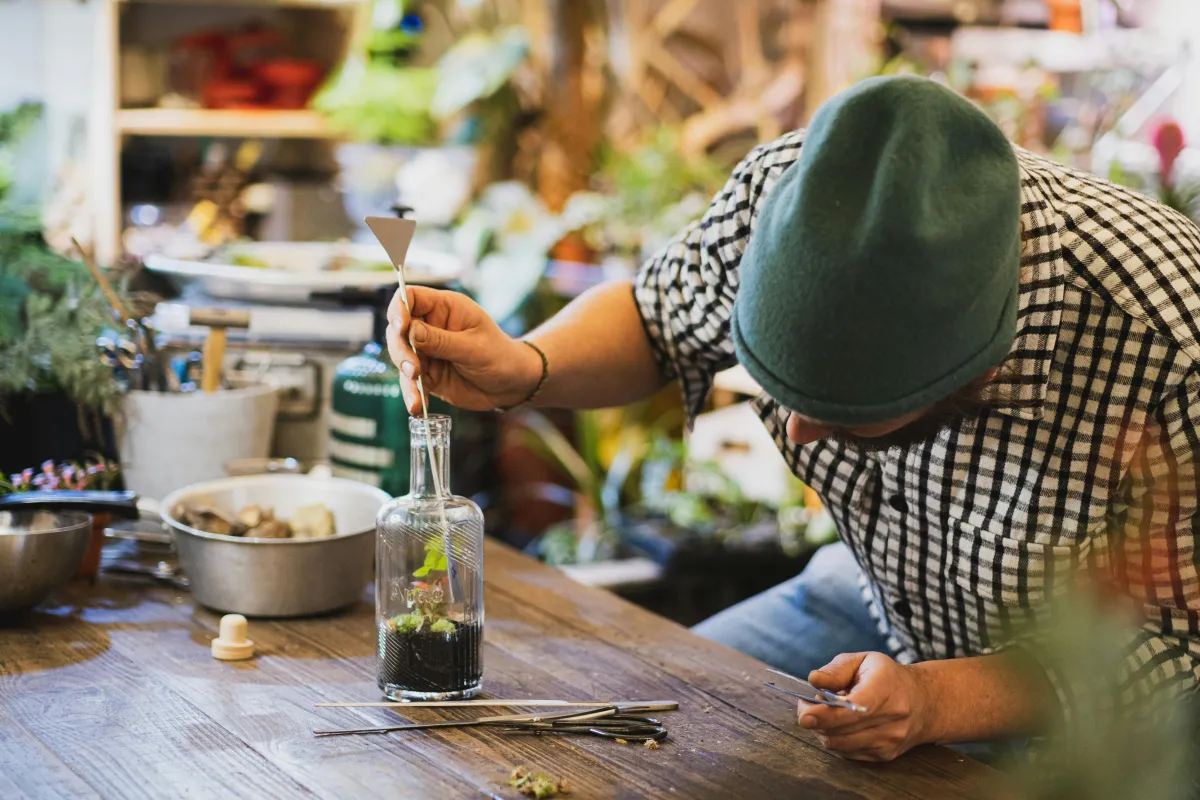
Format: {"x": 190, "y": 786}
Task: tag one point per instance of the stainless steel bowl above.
{"x": 278, "y": 577}
{"x": 39, "y": 552}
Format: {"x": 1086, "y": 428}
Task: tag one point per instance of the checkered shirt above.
{"x": 960, "y": 537}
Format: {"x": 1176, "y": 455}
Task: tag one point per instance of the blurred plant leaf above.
{"x": 476, "y": 67}
{"x": 560, "y": 449}
{"x": 375, "y": 102}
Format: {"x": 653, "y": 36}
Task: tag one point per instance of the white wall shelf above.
{"x": 208, "y": 122}
{"x": 276, "y": 3}
{"x": 120, "y": 24}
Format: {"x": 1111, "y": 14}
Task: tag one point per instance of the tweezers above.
{"x": 814, "y": 695}
{"x": 607, "y": 722}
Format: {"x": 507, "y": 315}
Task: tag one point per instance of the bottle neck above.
{"x": 421, "y": 479}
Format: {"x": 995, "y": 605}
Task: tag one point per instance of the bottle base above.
{"x": 399, "y": 694}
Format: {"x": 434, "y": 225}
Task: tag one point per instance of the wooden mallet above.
{"x": 218, "y": 321}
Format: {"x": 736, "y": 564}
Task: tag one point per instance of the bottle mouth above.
{"x": 438, "y": 424}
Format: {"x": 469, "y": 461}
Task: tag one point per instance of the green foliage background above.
{"x": 50, "y": 308}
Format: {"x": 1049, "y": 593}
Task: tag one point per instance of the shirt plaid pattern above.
{"x": 962, "y": 536}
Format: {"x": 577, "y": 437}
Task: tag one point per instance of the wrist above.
{"x": 530, "y": 374}
{"x": 927, "y": 697}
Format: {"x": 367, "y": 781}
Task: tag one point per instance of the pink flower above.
{"x": 1168, "y": 141}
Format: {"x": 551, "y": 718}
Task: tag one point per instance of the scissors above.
{"x": 607, "y": 722}
{"x": 813, "y": 694}
{"x": 123, "y": 356}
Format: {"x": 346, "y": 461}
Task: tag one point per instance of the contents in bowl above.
{"x": 256, "y": 522}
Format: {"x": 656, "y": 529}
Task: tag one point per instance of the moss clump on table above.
{"x": 537, "y": 785}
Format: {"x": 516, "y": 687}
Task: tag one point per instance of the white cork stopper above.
{"x": 232, "y": 644}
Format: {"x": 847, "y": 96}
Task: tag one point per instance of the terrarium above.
{"x": 429, "y": 587}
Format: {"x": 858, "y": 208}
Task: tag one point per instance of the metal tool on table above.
{"x": 622, "y": 705}
{"x": 608, "y": 722}
{"x": 812, "y": 694}
{"x": 162, "y": 573}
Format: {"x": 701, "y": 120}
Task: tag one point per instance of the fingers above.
{"x": 434, "y": 303}
{"x": 397, "y": 336}
{"x": 408, "y": 364}
{"x": 816, "y": 716}
{"x": 839, "y": 673}
{"x": 440, "y": 343}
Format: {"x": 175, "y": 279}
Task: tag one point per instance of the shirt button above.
{"x": 897, "y": 502}
{"x": 903, "y": 608}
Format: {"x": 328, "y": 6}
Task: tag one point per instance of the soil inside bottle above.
{"x": 429, "y": 661}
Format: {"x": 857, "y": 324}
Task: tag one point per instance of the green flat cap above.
{"x": 883, "y": 272}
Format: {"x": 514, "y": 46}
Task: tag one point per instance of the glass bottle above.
{"x": 368, "y": 426}
{"x": 429, "y": 582}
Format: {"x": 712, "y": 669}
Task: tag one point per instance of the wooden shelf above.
{"x": 277, "y": 3}
{"x": 207, "y": 122}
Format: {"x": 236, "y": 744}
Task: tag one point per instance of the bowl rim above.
{"x": 83, "y": 520}
{"x": 173, "y": 499}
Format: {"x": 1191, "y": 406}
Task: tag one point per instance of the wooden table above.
{"x": 113, "y": 693}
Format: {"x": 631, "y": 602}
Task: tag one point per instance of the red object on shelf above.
{"x": 289, "y": 82}
{"x": 231, "y": 94}
{"x": 196, "y": 60}
{"x": 254, "y": 45}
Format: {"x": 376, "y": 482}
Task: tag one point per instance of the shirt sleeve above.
{"x": 1152, "y": 561}
{"x": 685, "y": 292}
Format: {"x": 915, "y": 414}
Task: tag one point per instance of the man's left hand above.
{"x": 898, "y": 699}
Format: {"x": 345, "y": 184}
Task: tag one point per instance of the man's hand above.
{"x": 463, "y": 355}
{"x": 898, "y": 700}
{"x": 956, "y": 700}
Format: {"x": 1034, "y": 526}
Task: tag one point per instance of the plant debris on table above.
{"x": 536, "y": 784}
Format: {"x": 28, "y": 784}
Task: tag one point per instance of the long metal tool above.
{"x": 640, "y": 705}
{"x": 607, "y": 722}
{"x": 812, "y": 694}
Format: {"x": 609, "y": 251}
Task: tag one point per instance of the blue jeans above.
{"x": 800, "y": 625}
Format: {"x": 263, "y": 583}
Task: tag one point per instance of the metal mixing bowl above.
{"x": 39, "y": 552}
{"x": 278, "y": 577}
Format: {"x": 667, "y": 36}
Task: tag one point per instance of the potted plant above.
{"x": 56, "y": 397}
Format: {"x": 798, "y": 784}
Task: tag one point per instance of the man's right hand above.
{"x": 460, "y": 351}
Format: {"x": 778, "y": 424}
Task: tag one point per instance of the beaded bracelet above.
{"x": 541, "y": 381}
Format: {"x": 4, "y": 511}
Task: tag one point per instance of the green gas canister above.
{"x": 369, "y": 438}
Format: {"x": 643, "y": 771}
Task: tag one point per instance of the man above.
{"x": 984, "y": 362}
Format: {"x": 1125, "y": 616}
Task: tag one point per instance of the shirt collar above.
{"x": 1025, "y": 372}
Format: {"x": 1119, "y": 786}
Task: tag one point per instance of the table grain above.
{"x": 110, "y": 692}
